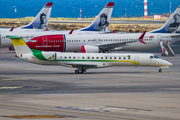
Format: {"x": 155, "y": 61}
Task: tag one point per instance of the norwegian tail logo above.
{"x": 101, "y": 22}
{"x": 172, "y": 25}
{"x": 42, "y": 18}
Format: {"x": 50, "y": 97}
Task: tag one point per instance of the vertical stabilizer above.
{"x": 172, "y": 25}
{"x": 41, "y": 20}
{"x": 101, "y": 22}
{"x": 19, "y": 45}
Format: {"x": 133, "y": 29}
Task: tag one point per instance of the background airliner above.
{"x": 40, "y": 22}
{"x": 162, "y": 37}
{"x": 95, "y": 27}
{"x": 83, "y": 61}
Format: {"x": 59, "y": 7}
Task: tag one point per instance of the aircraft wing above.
{"x": 175, "y": 35}
{"x": 80, "y": 65}
{"x": 120, "y": 44}
{"x": 113, "y": 45}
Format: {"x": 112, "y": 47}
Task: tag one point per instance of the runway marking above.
{"x": 37, "y": 116}
{"x": 12, "y": 87}
{"x": 43, "y": 85}
{"x": 79, "y": 113}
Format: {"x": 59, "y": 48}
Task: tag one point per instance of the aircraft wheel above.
{"x": 160, "y": 70}
{"x": 83, "y": 71}
{"x": 76, "y": 71}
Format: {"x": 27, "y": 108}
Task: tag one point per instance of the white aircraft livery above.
{"x": 83, "y": 61}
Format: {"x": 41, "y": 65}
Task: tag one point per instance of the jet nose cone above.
{"x": 167, "y": 63}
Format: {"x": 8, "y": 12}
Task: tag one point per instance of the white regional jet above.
{"x": 83, "y": 61}
{"x": 99, "y": 24}
{"x": 40, "y": 22}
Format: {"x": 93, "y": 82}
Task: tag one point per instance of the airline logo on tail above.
{"x": 172, "y": 25}
{"x": 41, "y": 20}
{"x": 101, "y": 22}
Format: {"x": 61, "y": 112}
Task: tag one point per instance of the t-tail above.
{"x": 172, "y": 25}
{"x": 41, "y": 20}
{"x": 101, "y": 22}
{"x": 19, "y": 45}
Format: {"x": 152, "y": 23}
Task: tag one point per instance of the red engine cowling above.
{"x": 89, "y": 49}
{"x": 48, "y": 43}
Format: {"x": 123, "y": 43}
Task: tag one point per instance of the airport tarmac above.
{"x": 33, "y": 92}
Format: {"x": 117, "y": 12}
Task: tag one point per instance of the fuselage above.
{"x": 65, "y": 42}
{"x": 98, "y": 60}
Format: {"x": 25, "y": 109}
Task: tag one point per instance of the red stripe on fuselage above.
{"x": 48, "y": 43}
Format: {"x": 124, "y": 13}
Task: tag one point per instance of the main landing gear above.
{"x": 77, "y": 71}
{"x": 160, "y": 70}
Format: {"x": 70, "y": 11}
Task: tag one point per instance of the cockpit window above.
{"x": 155, "y": 56}
{"x": 151, "y": 57}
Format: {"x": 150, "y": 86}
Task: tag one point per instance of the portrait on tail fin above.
{"x": 103, "y": 24}
{"x": 175, "y": 26}
{"x": 43, "y": 21}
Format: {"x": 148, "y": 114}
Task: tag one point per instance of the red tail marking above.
{"x": 113, "y": 31}
{"x": 49, "y": 4}
{"x": 110, "y": 4}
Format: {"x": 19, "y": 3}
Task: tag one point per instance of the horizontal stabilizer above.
{"x": 10, "y": 36}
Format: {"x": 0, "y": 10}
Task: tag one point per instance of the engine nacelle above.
{"x": 89, "y": 49}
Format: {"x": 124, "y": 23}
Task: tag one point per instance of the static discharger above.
{"x": 37, "y": 116}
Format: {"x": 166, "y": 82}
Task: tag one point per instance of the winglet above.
{"x": 12, "y": 28}
{"x": 71, "y": 31}
{"x": 141, "y": 38}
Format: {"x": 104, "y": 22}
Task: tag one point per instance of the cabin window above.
{"x": 74, "y": 57}
{"x": 64, "y": 57}
{"x": 69, "y": 57}
{"x": 124, "y": 57}
{"x": 60, "y": 57}
{"x": 114, "y": 57}
{"x": 82, "y": 57}
{"x": 119, "y": 57}
{"x": 110, "y": 57}
{"x": 88, "y": 57}
{"x": 97, "y": 58}
{"x": 92, "y": 57}
{"x": 106, "y": 57}
{"x": 101, "y": 57}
